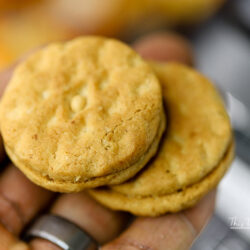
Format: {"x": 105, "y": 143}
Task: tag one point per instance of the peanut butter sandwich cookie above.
{"x": 81, "y": 114}
{"x": 195, "y": 152}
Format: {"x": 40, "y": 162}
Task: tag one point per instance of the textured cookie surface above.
{"x": 197, "y": 138}
{"x": 81, "y": 114}
{"x": 173, "y": 202}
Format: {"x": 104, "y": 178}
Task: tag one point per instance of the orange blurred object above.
{"x": 43, "y": 21}
{"x": 183, "y": 12}
{"x": 22, "y": 31}
{"x": 6, "y": 5}
{"x": 111, "y": 17}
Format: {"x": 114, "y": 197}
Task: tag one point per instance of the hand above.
{"x": 21, "y": 201}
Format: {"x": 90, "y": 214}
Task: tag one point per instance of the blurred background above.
{"x": 219, "y": 35}
{"x": 25, "y": 24}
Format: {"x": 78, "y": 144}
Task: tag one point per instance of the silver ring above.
{"x": 61, "y": 232}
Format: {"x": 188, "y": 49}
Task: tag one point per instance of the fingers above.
{"x": 2, "y": 152}
{"x": 9, "y": 242}
{"x": 20, "y": 199}
{"x": 4, "y": 79}
{"x": 200, "y": 214}
{"x": 99, "y": 222}
{"x": 172, "y": 231}
{"x": 165, "y": 46}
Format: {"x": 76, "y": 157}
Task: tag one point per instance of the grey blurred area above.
{"x": 217, "y": 236}
{"x": 222, "y": 52}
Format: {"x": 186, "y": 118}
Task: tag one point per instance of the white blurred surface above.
{"x": 239, "y": 114}
{"x": 223, "y": 54}
{"x": 233, "y": 198}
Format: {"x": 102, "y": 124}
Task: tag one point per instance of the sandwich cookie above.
{"x": 194, "y": 153}
{"x": 82, "y": 114}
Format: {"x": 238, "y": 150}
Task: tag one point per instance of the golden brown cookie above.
{"x": 193, "y": 155}
{"x": 82, "y": 114}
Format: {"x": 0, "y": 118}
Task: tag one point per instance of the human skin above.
{"x": 21, "y": 200}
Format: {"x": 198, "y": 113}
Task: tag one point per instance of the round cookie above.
{"x": 82, "y": 114}
{"x": 195, "y": 145}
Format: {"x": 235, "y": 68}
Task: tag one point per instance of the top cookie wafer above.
{"x": 195, "y": 152}
{"x": 82, "y": 114}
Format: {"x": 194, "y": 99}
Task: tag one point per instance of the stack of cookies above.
{"x": 91, "y": 114}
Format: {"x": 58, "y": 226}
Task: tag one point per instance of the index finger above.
{"x": 4, "y": 79}
{"x": 168, "y": 232}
